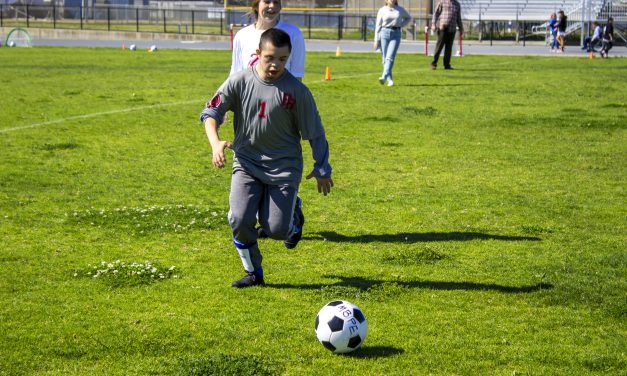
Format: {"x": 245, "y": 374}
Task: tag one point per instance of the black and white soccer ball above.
{"x": 341, "y": 326}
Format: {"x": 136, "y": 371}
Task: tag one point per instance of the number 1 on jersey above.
{"x": 262, "y": 111}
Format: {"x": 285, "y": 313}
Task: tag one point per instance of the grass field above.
{"x": 478, "y": 219}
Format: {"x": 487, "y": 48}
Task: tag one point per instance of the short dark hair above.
{"x": 277, "y": 37}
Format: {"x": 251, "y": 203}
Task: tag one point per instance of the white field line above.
{"x": 97, "y": 114}
{"x": 131, "y": 109}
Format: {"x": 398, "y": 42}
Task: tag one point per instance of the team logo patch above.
{"x": 214, "y": 102}
{"x": 288, "y": 101}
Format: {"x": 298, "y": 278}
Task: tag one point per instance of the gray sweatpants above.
{"x": 252, "y": 201}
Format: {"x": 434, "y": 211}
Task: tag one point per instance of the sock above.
{"x": 258, "y": 272}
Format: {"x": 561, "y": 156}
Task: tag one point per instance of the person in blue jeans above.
{"x": 589, "y": 43}
{"x": 553, "y": 30}
{"x": 391, "y": 18}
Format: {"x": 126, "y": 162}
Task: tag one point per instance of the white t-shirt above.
{"x": 246, "y": 42}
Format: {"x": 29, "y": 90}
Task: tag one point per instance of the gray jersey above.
{"x": 270, "y": 117}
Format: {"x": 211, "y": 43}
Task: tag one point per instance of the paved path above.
{"x": 469, "y": 48}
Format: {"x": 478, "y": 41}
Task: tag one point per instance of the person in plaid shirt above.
{"x": 446, "y": 17}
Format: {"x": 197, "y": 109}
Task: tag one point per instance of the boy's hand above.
{"x": 324, "y": 184}
{"x": 219, "y": 160}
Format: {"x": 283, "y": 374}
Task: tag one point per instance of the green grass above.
{"x": 478, "y": 219}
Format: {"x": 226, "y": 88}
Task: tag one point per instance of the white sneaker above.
{"x": 381, "y": 80}
{"x": 390, "y": 83}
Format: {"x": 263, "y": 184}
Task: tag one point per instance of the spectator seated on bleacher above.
{"x": 589, "y": 43}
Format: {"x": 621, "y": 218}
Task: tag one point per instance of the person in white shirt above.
{"x": 589, "y": 43}
{"x": 391, "y": 18}
{"x": 246, "y": 41}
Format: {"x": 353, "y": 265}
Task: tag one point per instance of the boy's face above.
{"x": 272, "y": 60}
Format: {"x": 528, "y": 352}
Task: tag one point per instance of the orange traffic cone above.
{"x": 327, "y": 75}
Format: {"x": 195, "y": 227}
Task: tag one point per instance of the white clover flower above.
{"x": 172, "y": 268}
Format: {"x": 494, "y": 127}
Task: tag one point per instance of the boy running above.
{"x": 272, "y": 111}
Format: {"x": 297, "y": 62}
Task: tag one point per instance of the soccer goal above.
{"x": 18, "y": 37}
{"x": 234, "y": 28}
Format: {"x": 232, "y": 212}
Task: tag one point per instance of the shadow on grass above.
{"x": 367, "y": 284}
{"x": 374, "y": 352}
{"x": 415, "y": 237}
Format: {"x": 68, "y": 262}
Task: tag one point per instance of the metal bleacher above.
{"x": 520, "y": 10}
{"x": 579, "y": 12}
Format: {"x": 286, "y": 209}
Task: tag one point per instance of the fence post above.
{"x": 309, "y": 25}
{"x": 364, "y": 28}
{"x": 1, "y": 16}
{"x": 427, "y": 40}
{"x": 54, "y": 16}
{"x": 108, "y": 19}
{"x": 165, "y": 30}
{"x": 80, "y": 9}
{"x": 27, "y": 16}
{"x": 524, "y": 33}
{"x": 193, "y": 28}
{"x": 480, "y": 29}
{"x": 137, "y": 20}
{"x": 231, "y": 36}
{"x": 339, "y": 26}
{"x": 491, "y": 30}
{"x": 461, "y": 37}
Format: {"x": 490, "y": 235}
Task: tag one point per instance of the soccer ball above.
{"x": 341, "y": 327}
{"x": 132, "y": 47}
{"x": 152, "y": 48}
{"x": 12, "y": 44}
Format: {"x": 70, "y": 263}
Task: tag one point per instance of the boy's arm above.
{"x": 310, "y": 126}
{"x": 212, "y": 117}
{"x": 218, "y": 146}
{"x": 322, "y": 168}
